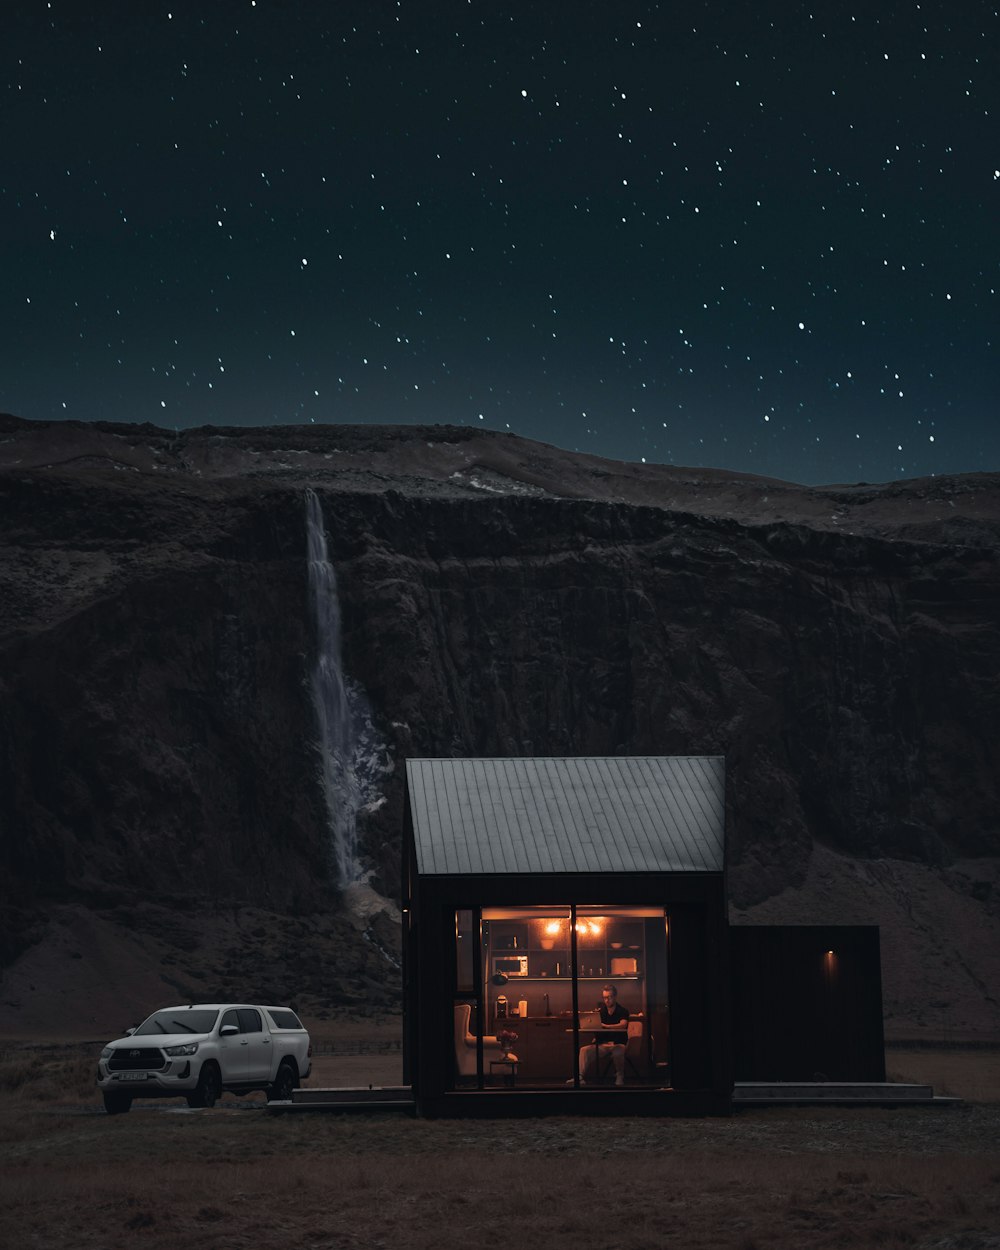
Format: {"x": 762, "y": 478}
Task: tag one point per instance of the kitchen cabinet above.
{"x": 544, "y": 1048}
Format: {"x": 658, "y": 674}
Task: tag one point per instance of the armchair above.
{"x": 465, "y": 1043}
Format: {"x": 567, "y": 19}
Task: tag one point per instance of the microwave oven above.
{"x": 510, "y": 965}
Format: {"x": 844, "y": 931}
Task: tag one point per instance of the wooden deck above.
{"x": 599, "y": 1100}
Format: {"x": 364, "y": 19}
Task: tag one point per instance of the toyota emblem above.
{"x": 133, "y": 1054}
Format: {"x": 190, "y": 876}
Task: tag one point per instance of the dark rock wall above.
{"x": 156, "y": 722}
{"x": 156, "y": 728}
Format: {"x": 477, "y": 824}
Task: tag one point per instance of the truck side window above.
{"x": 230, "y": 1017}
{"x": 249, "y": 1020}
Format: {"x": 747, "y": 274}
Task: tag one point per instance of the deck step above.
{"x": 760, "y": 1093}
{"x": 359, "y": 1097}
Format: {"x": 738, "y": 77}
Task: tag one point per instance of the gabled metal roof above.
{"x": 591, "y": 814}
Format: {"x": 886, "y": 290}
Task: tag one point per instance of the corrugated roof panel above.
{"x": 588, "y": 814}
{"x": 533, "y": 820}
{"x": 558, "y": 819}
{"x": 635, "y": 781}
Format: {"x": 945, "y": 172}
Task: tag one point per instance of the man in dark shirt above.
{"x": 610, "y": 1041}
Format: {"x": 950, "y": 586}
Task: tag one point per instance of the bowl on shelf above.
{"x": 616, "y": 946}
{"x": 547, "y": 943}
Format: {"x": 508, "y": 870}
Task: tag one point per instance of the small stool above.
{"x": 508, "y": 1069}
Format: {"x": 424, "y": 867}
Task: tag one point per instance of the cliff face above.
{"x": 840, "y": 646}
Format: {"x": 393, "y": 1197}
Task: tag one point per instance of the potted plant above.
{"x": 507, "y": 1038}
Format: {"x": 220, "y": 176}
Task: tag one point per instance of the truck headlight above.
{"x": 189, "y": 1048}
{"x": 107, "y": 1052}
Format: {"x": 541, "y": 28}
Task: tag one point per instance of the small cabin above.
{"x": 537, "y": 889}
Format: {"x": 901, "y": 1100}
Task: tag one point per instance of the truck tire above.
{"x": 286, "y": 1081}
{"x": 206, "y": 1092}
{"x": 117, "y": 1104}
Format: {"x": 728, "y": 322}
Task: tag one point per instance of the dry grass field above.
{"x": 163, "y": 1176}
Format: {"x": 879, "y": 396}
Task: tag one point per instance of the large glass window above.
{"x": 565, "y": 994}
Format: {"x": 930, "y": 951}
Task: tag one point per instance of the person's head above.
{"x": 609, "y": 994}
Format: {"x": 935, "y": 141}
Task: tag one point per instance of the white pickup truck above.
{"x": 198, "y": 1051}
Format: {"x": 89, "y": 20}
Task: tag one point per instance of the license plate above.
{"x": 132, "y": 1076}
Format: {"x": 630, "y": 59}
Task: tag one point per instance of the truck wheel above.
{"x": 117, "y": 1104}
{"x": 208, "y": 1089}
{"x": 286, "y": 1081}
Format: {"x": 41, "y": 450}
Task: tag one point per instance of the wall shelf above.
{"x": 603, "y": 976}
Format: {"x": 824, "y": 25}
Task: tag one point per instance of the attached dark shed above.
{"x": 830, "y": 1027}
{"x": 529, "y": 886}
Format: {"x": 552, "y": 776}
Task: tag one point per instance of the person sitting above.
{"x": 610, "y": 1042}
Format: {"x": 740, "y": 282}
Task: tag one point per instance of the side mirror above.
{"x": 228, "y": 1030}
{"x": 129, "y": 1032}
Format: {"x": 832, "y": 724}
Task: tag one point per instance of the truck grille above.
{"x": 136, "y": 1057}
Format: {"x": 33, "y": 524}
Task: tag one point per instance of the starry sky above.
{"x": 761, "y": 237}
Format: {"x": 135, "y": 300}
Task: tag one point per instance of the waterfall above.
{"x": 335, "y": 717}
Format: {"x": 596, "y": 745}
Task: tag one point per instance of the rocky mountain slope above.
{"x": 158, "y": 770}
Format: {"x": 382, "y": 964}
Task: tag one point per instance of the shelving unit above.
{"x": 548, "y": 955}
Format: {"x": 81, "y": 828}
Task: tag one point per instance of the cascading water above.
{"x": 334, "y": 716}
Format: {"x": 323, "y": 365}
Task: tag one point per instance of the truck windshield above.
{"x": 178, "y": 1020}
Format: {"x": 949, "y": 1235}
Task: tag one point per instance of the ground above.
{"x": 162, "y": 1176}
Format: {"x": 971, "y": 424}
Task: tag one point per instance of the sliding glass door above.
{"x": 559, "y": 995}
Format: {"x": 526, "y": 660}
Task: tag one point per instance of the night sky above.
{"x": 755, "y": 236}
